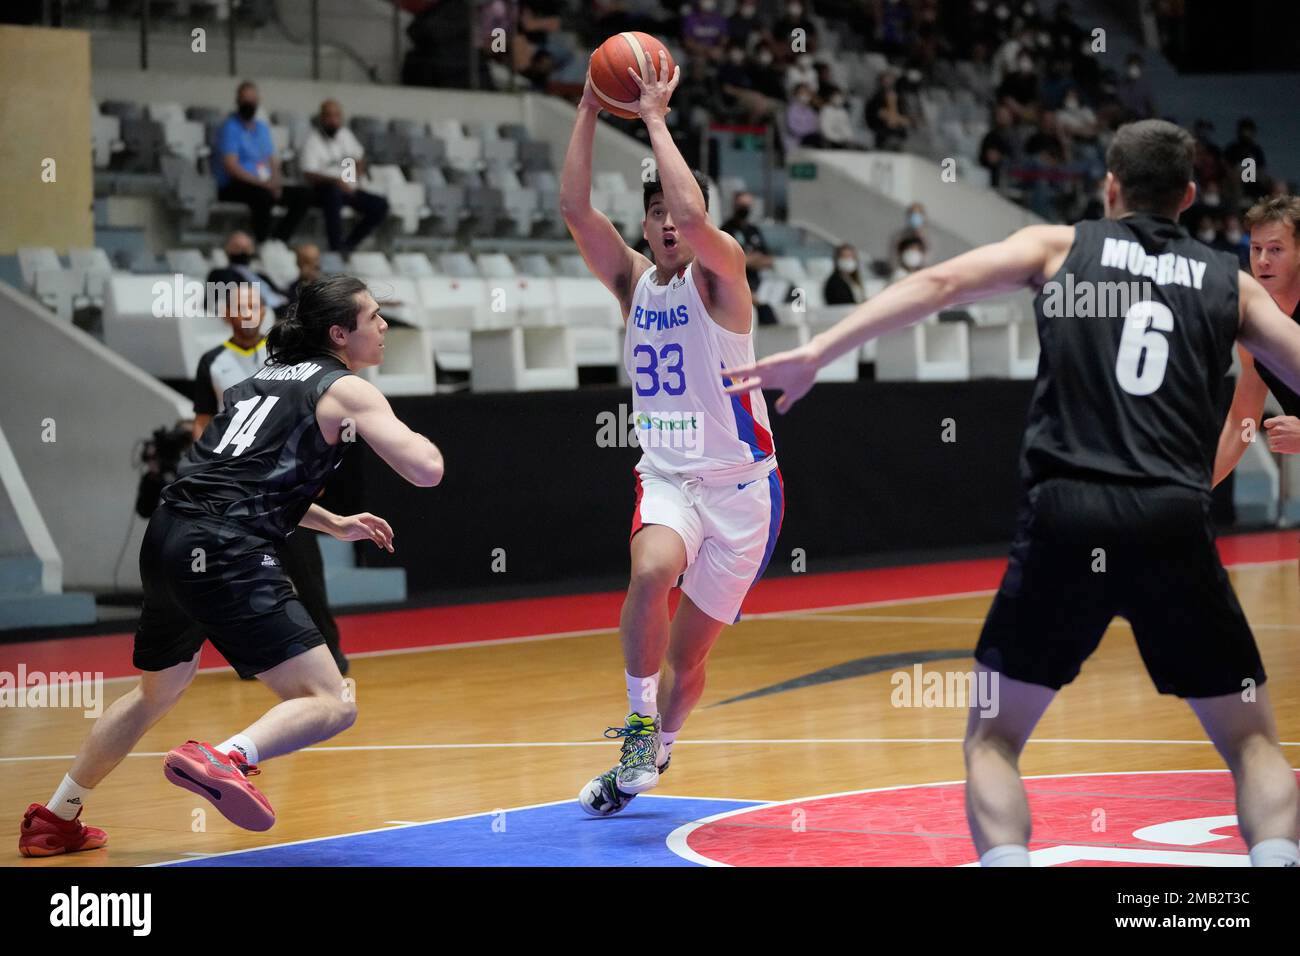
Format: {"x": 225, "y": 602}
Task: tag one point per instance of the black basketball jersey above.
{"x": 263, "y": 459}
{"x": 1288, "y": 399}
{"x": 1136, "y": 332}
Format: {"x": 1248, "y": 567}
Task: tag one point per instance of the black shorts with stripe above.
{"x": 1087, "y": 551}
{"x": 207, "y": 578}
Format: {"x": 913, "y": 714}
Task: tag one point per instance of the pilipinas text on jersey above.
{"x": 674, "y": 353}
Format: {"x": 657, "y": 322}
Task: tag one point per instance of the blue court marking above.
{"x": 557, "y": 834}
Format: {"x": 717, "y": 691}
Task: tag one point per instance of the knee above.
{"x": 986, "y": 742}
{"x": 652, "y": 578}
{"x": 344, "y": 714}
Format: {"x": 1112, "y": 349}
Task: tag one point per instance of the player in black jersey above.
{"x": 1274, "y": 226}
{"x": 1136, "y": 322}
{"x": 208, "y": 563}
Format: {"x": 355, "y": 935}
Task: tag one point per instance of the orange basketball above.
{"x": 617, "y": 91}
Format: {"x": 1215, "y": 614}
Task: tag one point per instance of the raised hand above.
{"x": 656, "y": 88}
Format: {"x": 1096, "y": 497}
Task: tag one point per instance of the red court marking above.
{"x": 110, "y": 654}
{"x": 926, "y": 825}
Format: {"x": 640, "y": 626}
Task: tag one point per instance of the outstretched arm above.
{"x": 603, "y": 249}
{"x": 1247, "y": 403}
{"x": 410, "y": 454}
{"x": 1268, "y": 332}
{"x": 1021, "y": 260}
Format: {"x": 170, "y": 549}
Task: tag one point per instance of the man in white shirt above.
{"x": 333, "y": 162}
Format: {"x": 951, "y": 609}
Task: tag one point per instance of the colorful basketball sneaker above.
{"x": 220, "y": 778}
{"x": 638, "y": 768}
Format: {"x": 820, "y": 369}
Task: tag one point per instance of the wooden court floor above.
{"x": 457, "y": 731}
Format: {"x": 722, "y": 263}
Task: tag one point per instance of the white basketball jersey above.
{"x": 674, "y": 354}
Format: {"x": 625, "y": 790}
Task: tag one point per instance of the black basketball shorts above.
{"x": 206, "y": 578}
{"x": 1087, "y": 551}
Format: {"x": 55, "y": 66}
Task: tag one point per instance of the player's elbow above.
{"x": 941, "y": 284}
{"x": 428, "y": 473}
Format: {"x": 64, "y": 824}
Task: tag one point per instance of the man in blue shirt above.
{"x": 248, "y": 171}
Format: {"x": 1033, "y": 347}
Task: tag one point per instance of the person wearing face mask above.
{"x": 333, "y": 163}
{"x": 1245, "y": 147}
{"x": 1019, "y": 91}
{"x": 1134, "y": 91}
{"x": 914, "y": 220}
{"x": 885, "y": 115}
{"x": 911, "y": 252}
{"x": 1232, "y": 239}
{"x": 746, "y": 27}
{"x": 803, "y": 71}
{"x": 744, "y": 230}
{"x": 247, "y": 170}
{"x": 794, "y": 18}
{"x": 833, "y": 120}
{"x": 844, "y": 286}
{"x": 240, "y": 251}
{"x": 802, "y": 126}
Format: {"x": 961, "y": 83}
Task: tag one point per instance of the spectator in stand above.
{"x": 914, "y": 220}
{"x": 746, "y": 28}
{"x": 910, "y": 252}
{"x": 704, "y": 31}
{"x": 895, "y": 27}
{"x": 885, "y": 117}
{"x": 835, "y": 125}
{"x": 1233, "y": 240}
{"x": 1019, "y": 91}
{"x": 308, "y": 258}
{"x": 783, "y": 31}
{"x": 1007, "y": 59}
{"x": 1205, "y": 229}
{"x": 1066, "y": 34}
{"x": 1245, "y": 147}
{"x": 1000, "y": 146}
{"x": 844, "y": 285}
{"x": 240, "y": 252}
{"x": 1134, "y": 90}
{"x": 751, "y": 239}
{"x": 333, "y": 163}
{"x": 247, "y": 170}
{"x": 769, "y": 74}
{"x": 539, "y": 69}
{"x": 1056, "y": 83}
{"x": 802, "y": 125}
{"x": 802, "y": 71}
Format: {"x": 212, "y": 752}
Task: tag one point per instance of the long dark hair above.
{"x": 305, "y": 330}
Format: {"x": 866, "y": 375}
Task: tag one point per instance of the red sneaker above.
{"x": 220, "y": 778}
{"x": 44, "y": 833}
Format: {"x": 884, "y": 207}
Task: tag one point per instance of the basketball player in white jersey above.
{"x": 708, "y": 492}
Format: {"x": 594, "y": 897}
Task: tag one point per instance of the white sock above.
{"x": 67, "y": 800}
{"x": 1275, "y": 852}
{"x": 1009, "y": 854}
{"x": 241, "y": 743}
{"x": 668, "y": 738}
{"x": 643, "y": 694}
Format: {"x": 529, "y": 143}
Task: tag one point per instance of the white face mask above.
{"x": 1206, "y": 236}
{"x": 912, "y": 258}
{"x": 1134, "y": 72}
{"x": 1233, "y": 236}
{"x": 765, "y": 59}
{"x": 1211, "y": 199}
{"x": 847, "y": 265}
{"x": 707, "y": 5}
{"x": 1071, "y": 103}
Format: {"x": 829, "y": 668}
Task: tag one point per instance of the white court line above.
{"x": 763, "y": 615}
{"x": 677, "y": 840}
{"x": 739, "y": 742}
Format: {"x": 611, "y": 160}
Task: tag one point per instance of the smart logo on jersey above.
{"x": 660, "y": 319}
{"x": 680, "y": 430}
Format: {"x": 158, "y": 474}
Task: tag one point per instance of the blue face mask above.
{"x": 915, "y": 220}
